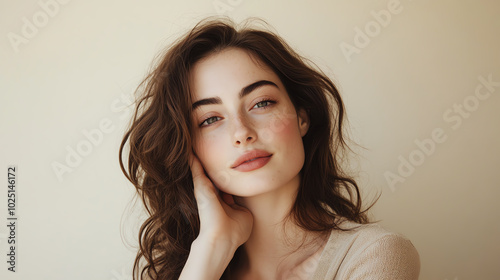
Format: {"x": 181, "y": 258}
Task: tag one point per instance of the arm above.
{"x": 224, "y": 226}
{"x": 207, "y": 259}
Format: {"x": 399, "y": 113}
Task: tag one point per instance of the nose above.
{"x": 243, "y": 132}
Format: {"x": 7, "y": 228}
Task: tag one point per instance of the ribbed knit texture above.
{"x": 367, "y": 252}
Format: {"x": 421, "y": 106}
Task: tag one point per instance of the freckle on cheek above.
{"x": 288, "y": 129}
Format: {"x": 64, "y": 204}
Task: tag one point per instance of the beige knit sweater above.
{"x": 367, "y": 252}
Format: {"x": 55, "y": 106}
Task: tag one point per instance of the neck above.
{"x": 272, "y": 248}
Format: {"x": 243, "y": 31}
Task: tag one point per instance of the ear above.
{"x": 303, "y": 119}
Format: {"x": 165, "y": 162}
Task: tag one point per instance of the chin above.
{"x": 252, "y": 187}
{"x": 246, "y": 190}
{"x": 256, "y": 182}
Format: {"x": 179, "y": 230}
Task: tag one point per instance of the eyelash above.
{"x": 265, "y": 100}
{"x": 269, "y": 101}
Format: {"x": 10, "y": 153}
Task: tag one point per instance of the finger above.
{"x": 195, "y": 165}
{"x": 204, "y": 191}
{"x": 199, "y": 177}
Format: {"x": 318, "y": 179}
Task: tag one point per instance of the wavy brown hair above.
{"x": 159, "y": 139}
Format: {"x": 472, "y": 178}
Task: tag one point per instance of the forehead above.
{"x": 228, "y": 71}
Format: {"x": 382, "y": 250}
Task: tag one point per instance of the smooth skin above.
{"x": 247, "y": 208}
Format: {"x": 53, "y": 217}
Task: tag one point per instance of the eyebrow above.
{"x": 244, "y": 91}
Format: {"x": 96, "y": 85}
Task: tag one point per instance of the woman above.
{"x": 236, "y": 150}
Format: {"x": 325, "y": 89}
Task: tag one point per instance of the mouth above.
{"x": 251, "y": 160}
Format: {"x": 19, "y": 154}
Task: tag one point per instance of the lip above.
{"x": 251, "y": 160}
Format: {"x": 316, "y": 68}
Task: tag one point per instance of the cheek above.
{"x": 282, "y": 127}
{"x": 284, "y": 134}
{"x": 211, "y": 150}
{"x": 206, "y": 147}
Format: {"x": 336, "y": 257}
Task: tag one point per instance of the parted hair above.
{"x": 159, "y": 141}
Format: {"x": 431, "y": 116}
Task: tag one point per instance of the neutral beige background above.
{"x": 78, "y": 69}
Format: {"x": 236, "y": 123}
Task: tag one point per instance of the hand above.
{"x": 221, "y": 219}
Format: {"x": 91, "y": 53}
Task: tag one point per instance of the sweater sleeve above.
{"x": 391, "y": 257}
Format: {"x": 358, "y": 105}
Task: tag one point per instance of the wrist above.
{"x": 215, "y": 243}
{"x": 208, "y": 258}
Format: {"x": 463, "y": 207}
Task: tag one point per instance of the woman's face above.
{"x": 247, "y": 133}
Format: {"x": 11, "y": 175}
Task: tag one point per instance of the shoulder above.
{"x": 384, "y": 254}
{"x": 370, "y": 252}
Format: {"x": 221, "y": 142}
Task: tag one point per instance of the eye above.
{"x": 263, "y": 103}
{"x": 210, "y": 121}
